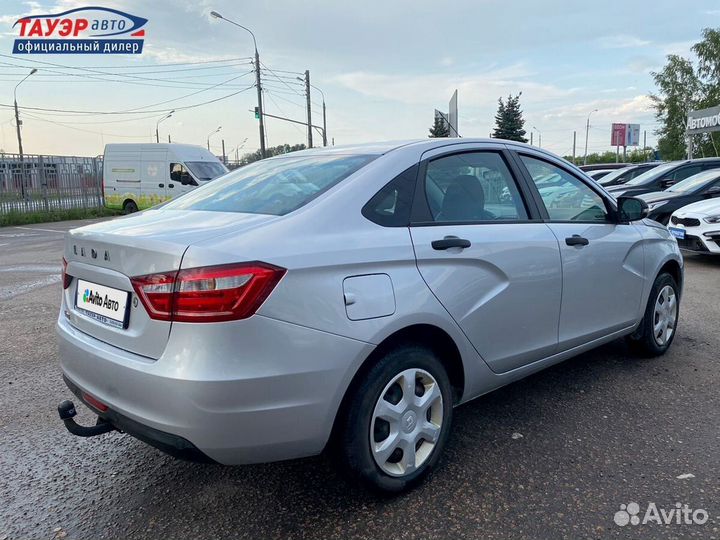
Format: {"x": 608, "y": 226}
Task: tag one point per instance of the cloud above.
{"x": 480, "y": 89}
{"x": 621, "y": 41}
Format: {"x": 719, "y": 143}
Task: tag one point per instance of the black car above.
{"x": 606, "y": 166}
{"x": 663, "y": 176}
{"x": 624, "y": 175}
{"x": 702, "y": 186}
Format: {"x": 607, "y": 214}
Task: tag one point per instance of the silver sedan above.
{"x": 350, "y": 298}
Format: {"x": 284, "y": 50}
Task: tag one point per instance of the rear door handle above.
{"x": 450, "y": 242}
{"x": 171, "y": 185}
{"x": 576, "y": 240}
{"x": 161, "y": 185}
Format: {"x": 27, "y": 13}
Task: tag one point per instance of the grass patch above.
{"x": 27, "y": 218}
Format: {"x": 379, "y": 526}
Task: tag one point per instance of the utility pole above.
{"x": 574, "y": 142}
{"x": 169, "y": 138}
{"x": 259, "y": 97}
{"x": 223, "y": 147}
{"x": 309, "y": 109}
{"x": 258, "y": 83}
{"x": 324, "y": 124}
{"x": 531, "y": 138}
{"x": 645, "y": 145}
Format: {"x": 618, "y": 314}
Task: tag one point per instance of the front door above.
{"x": 492, "y": 264}
{"x": 602, "y": 261}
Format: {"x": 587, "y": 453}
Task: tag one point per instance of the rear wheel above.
{"x": 130, "y": 206}
{"x": 398, "y": 420}
{"x": 657, "y": 329}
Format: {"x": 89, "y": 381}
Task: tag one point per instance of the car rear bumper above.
{"x": 249, "y": 391}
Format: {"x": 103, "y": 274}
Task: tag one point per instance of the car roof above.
{"x": 423, "y": 145}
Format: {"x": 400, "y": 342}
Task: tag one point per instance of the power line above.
{"x": 130, "y": 111}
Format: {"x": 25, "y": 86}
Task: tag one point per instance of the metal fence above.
{"x": 33, "y": 183}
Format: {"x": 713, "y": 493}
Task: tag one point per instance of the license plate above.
{"x": 677, "y": 233}
{"x": 104, "y": 304}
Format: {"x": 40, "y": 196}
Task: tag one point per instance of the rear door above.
{"x": 486, "y": 255}
{"x": 602, "y": 261}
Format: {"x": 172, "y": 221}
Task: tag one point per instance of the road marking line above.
{"x": 6, "y": 293}
{"x": 38, "y": 229}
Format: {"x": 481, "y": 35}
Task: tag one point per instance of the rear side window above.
{"x": 274, "y": 186}
{"x": 472, "y": 187}
{"x": 390, "y": 207}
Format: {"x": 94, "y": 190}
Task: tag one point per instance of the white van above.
{"x": 138, "y": 176}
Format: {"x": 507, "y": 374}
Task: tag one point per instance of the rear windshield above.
{"x": 205, "y": 170}
{"x": 274, "y": 186}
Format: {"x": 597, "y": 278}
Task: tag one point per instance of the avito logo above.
{"x": 90, "y": 297}
{"x": 88, "y": 30}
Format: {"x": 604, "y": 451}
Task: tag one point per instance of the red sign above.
{"x": 617, "y": 137}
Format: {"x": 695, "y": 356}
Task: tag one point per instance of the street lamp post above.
{"x": 323, "y": 105}
{"x": 539, "y": 136}
{"x": 17, "y": 113}
{"x": 211, "y": 134}
{"x": 19, "y": 134}
{"x": 157, "y": 126}
{"x": 258, "y": 83}
{"x": 587, "y": 131}
{"x": 237, "y": 150}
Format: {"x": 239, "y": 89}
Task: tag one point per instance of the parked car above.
{"x": 697, "y": 227}
{"x": 137, "y": 176}
{"x": 353, "y": 295}
{"x": 598, "y": 166}
{"x": 624, "y": 175}
{"x": 599, "y": 173}
{"x": 663, "y": 176}
{"x": 699, "y": 187}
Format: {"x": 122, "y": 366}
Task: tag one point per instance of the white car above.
{"x": 697, "y": 227}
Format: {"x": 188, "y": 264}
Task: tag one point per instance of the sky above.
{"x": 382, "y": 66}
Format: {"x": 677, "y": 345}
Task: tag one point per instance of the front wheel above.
{"x": 398, "y": 420}
{"x": 657, "y": 329}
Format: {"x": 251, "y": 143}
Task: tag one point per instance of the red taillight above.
{"x": 211, "y": 294}
{"x": 95, "y": 402}
{"x": 66, "y": 279}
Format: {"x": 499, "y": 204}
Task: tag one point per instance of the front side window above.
{"x": 272, "y": 186}
{"x": 565, "y": 196}
{"x": 180, "y": 174}
{"x": 474, "y": 186}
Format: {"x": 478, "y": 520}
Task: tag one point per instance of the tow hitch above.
{"x": 67, "y": 412}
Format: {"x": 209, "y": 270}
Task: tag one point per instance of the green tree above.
{"x": 272, "y": 151}
{"x": 439, "y": 128}
{"x": 683, "y": 86}
{"x": 509, "y": 122}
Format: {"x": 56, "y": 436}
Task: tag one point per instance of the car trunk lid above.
{"x": 110, "y": 253}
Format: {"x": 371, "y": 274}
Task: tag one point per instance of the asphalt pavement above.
{"x": 553, "y": 456}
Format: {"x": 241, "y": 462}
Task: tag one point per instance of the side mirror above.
{"x": 185, "y": 179}
{"x": 715, "y": 190}
{"x": 667, "y": 182}
{"x": 631, "y": 209}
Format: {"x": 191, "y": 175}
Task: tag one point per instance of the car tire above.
{"x": 382, "y": 422}
{"x": 130, "y": 207}
{"x": 658, "y": 327}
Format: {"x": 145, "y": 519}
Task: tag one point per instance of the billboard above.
{"x": 632, "y": 137}
{"x": 453, "y": 115}
{"x": 617, "y": 135}
{"x": 703, "y": 121}
{"x": 625, "y": 135}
